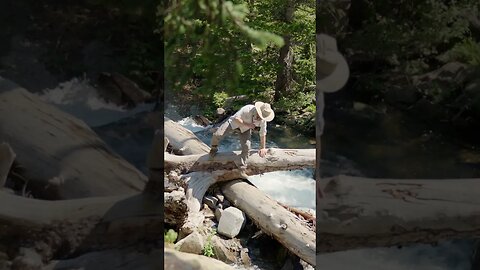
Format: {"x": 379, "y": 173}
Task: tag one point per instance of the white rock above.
{"x": 231, "y": 222}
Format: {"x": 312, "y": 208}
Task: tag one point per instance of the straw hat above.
{"x": 265, "y": 111}
{"x": 332, "y": 68}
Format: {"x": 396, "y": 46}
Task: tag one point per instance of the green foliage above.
{"x": 216, "y": 49}
{"x": 412, "y": 32}
{"x": 204, "y": 40}
{"x": 170, "y": 236}
{"x": 208, "y": 249}
{"x": 467, "y": 51}
{"x": 219, "y": 98}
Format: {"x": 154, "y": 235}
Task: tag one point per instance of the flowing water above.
{"x": 388, "y": 148}
{"x": 125, "y": 133}
{"x": 395, "y": 145}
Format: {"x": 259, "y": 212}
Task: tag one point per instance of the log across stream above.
{"x": 266, "y": 213}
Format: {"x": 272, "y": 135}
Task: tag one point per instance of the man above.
{"x": 247, "y": 118}
{"x": 332, "y": 74}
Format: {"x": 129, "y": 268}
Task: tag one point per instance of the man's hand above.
{"x": 262, "y": 152}
{"x": 250, "y": 125}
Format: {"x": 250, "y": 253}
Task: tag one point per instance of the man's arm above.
{"x": 240, "y": 113}
{"x": 263, "y": 139}
{"x": 240, "y": 121}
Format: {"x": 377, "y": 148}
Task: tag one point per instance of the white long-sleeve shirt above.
{"x": 246, "y": 113}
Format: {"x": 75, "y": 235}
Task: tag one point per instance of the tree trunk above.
{"x": 72, "y": 226}
{"x": 63, "y": 157}
{"x": 276, "y": 159}
{"x": 362, "y": 212}
{"x": 273, "y": 219}
{"x": 283, "y": 83}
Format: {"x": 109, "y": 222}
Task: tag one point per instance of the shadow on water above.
{"x": 393, "y": 145}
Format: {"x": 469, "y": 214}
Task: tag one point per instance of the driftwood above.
{"x": 63, "y": 157}
{"x": 276, "y": 159}
{"x": 200, "y": 173}
{"x": 273, "y": 219}
{"x": 363, "y": 212}
{"x": 183, "y": 140}
{"x": 71, "y": 226}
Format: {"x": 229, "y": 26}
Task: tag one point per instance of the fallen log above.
{"x": 7, "y": 156}
{"x": 364, "y": 212}
{"x": 63, "y": 157}
{"x": 183, "y": 140}
{"x": 73, "y": 226}
{"x": 273, "y": 219}
{"x": 276, "y": 160}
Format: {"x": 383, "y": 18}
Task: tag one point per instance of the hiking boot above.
{"x": 213, "y": 151}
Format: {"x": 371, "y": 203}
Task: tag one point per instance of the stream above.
{"x": 125, "y": 133}
{"x": 392, "y": 145}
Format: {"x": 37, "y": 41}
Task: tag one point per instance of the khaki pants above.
{"x": 245, "y": 140}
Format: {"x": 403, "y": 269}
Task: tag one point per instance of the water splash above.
{"x": 294, "y": 188}
{"x": 80, "y": 98}
{"x": 191, "y": 125}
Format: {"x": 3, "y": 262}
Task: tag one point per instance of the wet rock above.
{"x": 193, "y": 243}
{"x": 202, "y": 120}
{"x": 218, "y": 213}
{"x": 226, "y": 204}
{"x": 210, "y": 201}
{"x": 207, "y": 212}
{"x": 220, "y": 197}
{"x": 231, "y": 222}
{"x": 246, "y": 261}
{"x": 116, "y": 88}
